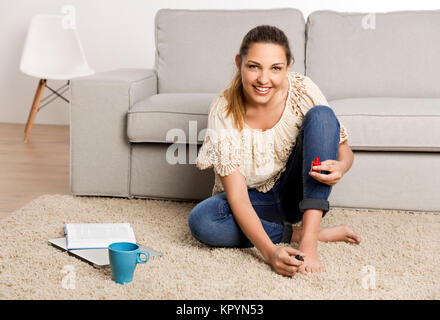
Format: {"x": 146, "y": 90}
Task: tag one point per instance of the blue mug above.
{"x": 124, "y": 256}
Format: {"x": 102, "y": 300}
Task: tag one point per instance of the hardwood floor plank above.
{"x": 29, "y": 170}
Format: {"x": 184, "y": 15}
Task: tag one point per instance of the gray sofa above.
{"x": 379, "y": 73}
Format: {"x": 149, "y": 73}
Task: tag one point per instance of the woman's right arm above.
{"x": 238, "y": 198}
{"x": 245, "y": 215}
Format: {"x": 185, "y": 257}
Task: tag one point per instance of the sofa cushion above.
{"x": 151, "y": 119}
{"x": 195, "y": 49}
{"x": 392, "y": 124}
{"x": 396, "y": 54}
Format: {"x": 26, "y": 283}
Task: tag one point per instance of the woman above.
{"x": 263, "y": 134}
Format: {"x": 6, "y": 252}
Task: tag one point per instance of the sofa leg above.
{"x": 34, "y": 108}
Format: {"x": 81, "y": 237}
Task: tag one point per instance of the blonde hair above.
{"x": 234, "y": 93}
{"x": 234, "y": 96}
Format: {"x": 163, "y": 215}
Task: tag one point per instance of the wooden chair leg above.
{"x": 34, "y": 108}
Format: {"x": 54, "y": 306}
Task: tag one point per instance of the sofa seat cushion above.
{"x": 180, "y": 115}
{"x": 387, "y": 124}
{"x": 393, "y": 124}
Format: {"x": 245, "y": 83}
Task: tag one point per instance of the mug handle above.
{"x": 138, "y": 257}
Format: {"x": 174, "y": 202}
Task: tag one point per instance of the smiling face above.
{"x": 263, "y": 73}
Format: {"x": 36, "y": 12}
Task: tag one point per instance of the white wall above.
{"x": 117, "y": 34}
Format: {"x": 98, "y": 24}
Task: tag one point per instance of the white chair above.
{"x": 51, "y": 51}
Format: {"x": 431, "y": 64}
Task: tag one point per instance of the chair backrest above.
{"x": 52, "y": 51}
{"x": 395, "y": 54}
{"x": 195, "y": 49}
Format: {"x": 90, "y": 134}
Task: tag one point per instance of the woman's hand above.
{"x": 336, "y": 169}
{"x": 282, "y": 259}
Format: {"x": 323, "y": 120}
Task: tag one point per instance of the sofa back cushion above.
{"x": 195, "y": 49}
{"x": 392, "y": 54}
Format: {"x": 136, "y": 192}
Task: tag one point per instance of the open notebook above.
{"x": 90, "y": 241}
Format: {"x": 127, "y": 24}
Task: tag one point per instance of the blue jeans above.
{"x": 212, "y": 222}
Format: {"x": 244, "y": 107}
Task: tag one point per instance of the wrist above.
{"x": 267, "y": 250}
{"x": 345, "y": 166}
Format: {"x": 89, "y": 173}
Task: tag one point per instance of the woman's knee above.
{"x": 201, "y": 219}
{"x": 322, "y": 118}
{"x": 196, "y": 219}
{"x": 211, "y": 222}
{"x": 321, "y": 113}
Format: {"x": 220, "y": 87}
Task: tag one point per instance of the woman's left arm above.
{"x": 345, "y": 156}
{"x": 336, "y": 168}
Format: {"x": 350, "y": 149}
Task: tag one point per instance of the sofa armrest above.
{"x": 100, "y": 153}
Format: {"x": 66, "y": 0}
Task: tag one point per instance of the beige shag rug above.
{"x": 399, "y": 257}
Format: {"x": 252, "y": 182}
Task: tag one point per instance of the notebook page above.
{"x": 97, "y": 235}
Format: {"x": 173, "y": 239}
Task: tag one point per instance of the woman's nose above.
{"x": 263, "y": 78}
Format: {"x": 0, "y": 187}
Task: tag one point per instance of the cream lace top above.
{"x": 260, "y": 156}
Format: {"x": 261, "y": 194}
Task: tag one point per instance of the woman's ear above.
{"x": 238, "y": 62}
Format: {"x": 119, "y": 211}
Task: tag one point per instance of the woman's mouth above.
{"x": 262, "y": 90}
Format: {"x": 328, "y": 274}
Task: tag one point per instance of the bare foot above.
{"x": 311, "y": 263}
{"x": 331, "y": 234}
{"x": 339, "y": 233}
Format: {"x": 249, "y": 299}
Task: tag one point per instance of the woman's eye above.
{"x": 252, "y": 66}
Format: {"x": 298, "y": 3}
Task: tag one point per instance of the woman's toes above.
{"x": 351, "y": 240}
{"x": 318, "y": 270}
{"x": 351, "y": 235}
{"x": 357, "y": 238}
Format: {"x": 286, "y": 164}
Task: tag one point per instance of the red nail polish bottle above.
{"x": 316, "y": 163}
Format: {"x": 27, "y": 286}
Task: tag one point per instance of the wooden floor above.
{"x": 28, "y": 170}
